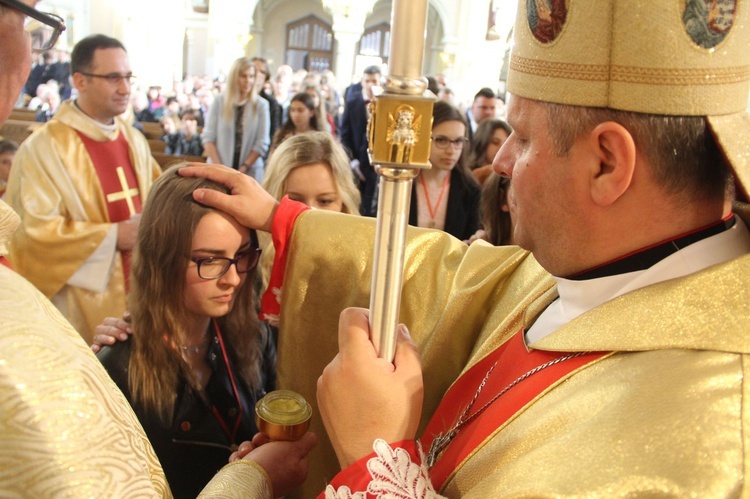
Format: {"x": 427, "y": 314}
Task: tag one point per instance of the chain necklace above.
{"x": 196, "y": 348}
{"x": 441, "y": 441}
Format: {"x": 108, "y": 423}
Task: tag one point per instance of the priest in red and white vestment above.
{"x": 72, "y": 182}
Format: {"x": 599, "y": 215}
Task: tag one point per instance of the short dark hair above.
{"x": 681, "y": 150}
{"x": 265, "y": 68}
{"x": 485, "y": 92}
{"x": 432, "y": 85}
{"x": 7, "y": 145}
{"x": 372, "y": 70}
{"x": 83, "y": 52}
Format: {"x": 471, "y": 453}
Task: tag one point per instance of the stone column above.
{"x": 154, "y": 46}
{"x": 228, "y": 27}
{"x": 348, "y": 25}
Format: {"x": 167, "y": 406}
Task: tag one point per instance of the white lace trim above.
{"x": 273, "y": 319}
{"x": 394, "y": 475}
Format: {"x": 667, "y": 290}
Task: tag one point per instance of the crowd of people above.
{"x": 606, "y": 307}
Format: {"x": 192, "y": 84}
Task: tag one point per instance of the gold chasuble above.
{"x": 71, "y": 180}
{"x": 662, "y": 409}
{"x": 66, "y": 430}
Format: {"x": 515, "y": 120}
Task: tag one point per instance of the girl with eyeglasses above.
{"x": 200, "y": 358}
{"x": 446, "y": 196}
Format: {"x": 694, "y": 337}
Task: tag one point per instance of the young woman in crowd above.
{"x": 497, "y": 224}
{"x": 301, "y": 117}
{"x": 311, "y": 168}
{"x": 446, "y": 196}
{"x": 315, "y": 91}
{"x": 489, "y": 137}
{"x": 236, "y": 130}
{"x": 199, "y": 358}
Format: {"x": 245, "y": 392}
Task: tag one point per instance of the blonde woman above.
{"x": 311, "y": 168}
{"x": 236, "y": 133}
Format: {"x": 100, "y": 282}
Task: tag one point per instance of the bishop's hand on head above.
{"x": 249, "y": 203}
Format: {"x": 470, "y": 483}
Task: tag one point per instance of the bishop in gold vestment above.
{"x": 67, "y": 243}
{"x": 681, "y": 350}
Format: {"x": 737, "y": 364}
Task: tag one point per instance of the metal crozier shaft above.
{"x": 399, "y": 145}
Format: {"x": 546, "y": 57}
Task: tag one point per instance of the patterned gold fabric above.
{"x": 54, "y": 187}
{"x": 66, "y": 429}
{"x": 241, "y": 479}
{"x": 600, "y": 432}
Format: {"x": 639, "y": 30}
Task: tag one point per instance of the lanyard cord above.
{"x": 432, "y": 211}
{"x": 233, "y": 433}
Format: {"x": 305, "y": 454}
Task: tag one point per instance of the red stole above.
{"x": 111, "y": 159}
{"x": 513, "y": 361}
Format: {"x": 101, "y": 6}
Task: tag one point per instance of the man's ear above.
{"x": 615, "y": 148}
{"x": 79, "y": 81}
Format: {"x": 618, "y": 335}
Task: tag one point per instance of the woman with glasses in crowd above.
{"x": 199, "y": 358}
{"x": 446, "y": 196}
{"x": 236, "y": 133}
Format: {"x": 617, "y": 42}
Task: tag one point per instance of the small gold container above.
{"x": 283, "y": 415}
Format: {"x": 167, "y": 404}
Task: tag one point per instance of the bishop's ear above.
{"x": 616, "y": 150}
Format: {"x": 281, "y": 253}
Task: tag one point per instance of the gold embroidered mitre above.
{"x": 673, "y": 57}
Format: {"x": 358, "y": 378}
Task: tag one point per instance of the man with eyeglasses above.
{"x": 79, "y": 183}
{"x": 65, "y": 429}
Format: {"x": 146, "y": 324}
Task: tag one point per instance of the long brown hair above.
{"x": 156, "y": 299}
{"x": 482, "y": 139}
{"x": 495, "y": 220}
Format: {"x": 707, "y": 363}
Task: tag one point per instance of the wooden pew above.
{"x": 157, "y": 145}
{"x": 18, "y": 130}
{"x": 152, "y": 130}
{"x": 167, "y": 160}
{"x": 21, "y": 114}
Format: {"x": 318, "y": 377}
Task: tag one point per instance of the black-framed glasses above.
{"x": 43, "y": 27}
{"x": 443, "y": 142}
{"x": 113, "y": 78}
{"x": 214, "y": 267}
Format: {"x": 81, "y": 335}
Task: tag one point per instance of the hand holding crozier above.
{"x": 362, "y": 397}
